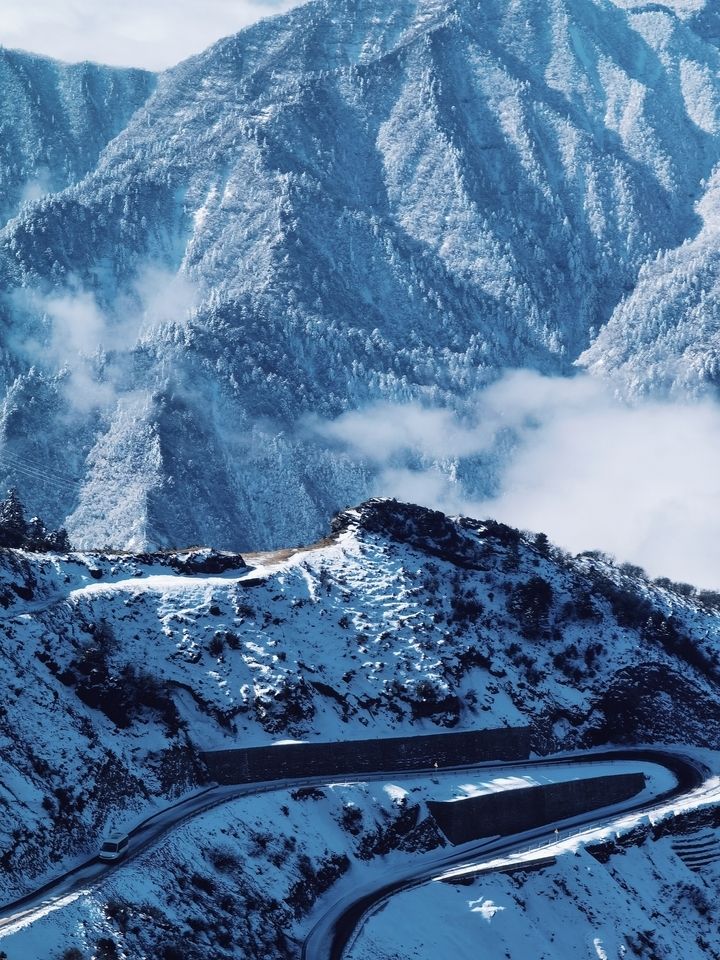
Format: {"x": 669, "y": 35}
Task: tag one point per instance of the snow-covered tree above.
{"x": 12, "y": 520}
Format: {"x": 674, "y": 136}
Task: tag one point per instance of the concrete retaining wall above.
{"x": 251, "y": 764}
{"x": 510, "y": 811}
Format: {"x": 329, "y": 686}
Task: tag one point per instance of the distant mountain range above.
{"x": 349, "y": 203}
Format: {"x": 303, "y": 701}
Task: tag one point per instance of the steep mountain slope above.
{"x": 55, "y": 120}
{"x": 633, "y": 905}
{"x": 663, "y": 338}
{"x": 358, "y": 206}
{"x": 244, "y": 878}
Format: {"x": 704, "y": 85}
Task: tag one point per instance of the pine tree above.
{"x": 16, "y": 532}
{"x": 36, "y": 535}
{"x": 58, "y": 541}
{"x": 12, "y": 520}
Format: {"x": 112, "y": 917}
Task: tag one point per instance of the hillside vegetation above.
{"x": 342, "y": 205}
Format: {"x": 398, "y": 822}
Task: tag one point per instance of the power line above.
{"x": 33, "y": 471}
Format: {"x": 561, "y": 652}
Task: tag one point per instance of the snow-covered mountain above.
{"x": 663, "y": 338}
{"x": 340, "y": 205}
{"x": 401, "y": 621}
{"x": 56, "y": 119}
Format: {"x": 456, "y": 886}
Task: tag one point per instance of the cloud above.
{"x": 640, "y": 481}
{"x": 139, "y": 33}
{"x": 37, "y": 187}
{"x": 158, "y": 297}
{"x": 386, "y": 430}
{"x": 77, "y": 327}
{"x": 88, "y": 345}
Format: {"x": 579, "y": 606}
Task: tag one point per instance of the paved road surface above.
{"x": 331, "y": 934}
{"x": 340, "y": 924}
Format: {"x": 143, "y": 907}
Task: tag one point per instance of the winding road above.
{"x": 335, "y": 929}
{"x": 341, "y": 923}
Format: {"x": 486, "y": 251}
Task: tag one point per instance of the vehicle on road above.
{"x": 113, "y": 846}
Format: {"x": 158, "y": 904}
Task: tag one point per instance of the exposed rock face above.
{"x": 428, "y": 530}
{"x": 644, "y": 697}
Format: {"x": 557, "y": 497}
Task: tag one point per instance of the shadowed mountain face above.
{"x": 339, "y": 206}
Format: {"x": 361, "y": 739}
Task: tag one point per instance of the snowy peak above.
{"x": 324, "y": 35}
{"x": 459, "y": 541}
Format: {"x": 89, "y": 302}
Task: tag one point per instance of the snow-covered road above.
{"x": 341, "y": 923}
{"x": 668, "y": 776}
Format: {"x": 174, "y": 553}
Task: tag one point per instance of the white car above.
{"x": 114, "y": 846}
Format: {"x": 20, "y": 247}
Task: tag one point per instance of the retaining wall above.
{"x": 250, "y": 764}
{"x": 511, "y": 811}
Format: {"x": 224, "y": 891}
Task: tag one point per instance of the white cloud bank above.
{"x": 641, "y": 481}
{"x": 153, "y": 34}
{"x": 91, "y": 347}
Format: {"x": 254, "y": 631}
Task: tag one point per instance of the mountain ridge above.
{"x": 56, "y": 119}
{"x": 341, "y": 211}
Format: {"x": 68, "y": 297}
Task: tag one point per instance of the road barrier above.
{"x": 512, "y": 811}
{"x": 441, "y": 750}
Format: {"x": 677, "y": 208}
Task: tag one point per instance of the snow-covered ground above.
{"x": 644, "y": 902}
{"x": 262, "y": 843}
{"x": 347, "y": 818}
{"x": 402, "y": 622}
{"x": 657, "y": 778}
{"x": 643, "y": 899}
{"x": 554, "y": 899}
